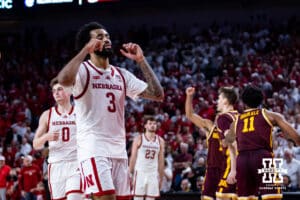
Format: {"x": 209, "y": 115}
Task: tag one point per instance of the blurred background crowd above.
{"x": 261, "y": 52}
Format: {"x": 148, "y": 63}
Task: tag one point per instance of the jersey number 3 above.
{"x": 112, "y": 104}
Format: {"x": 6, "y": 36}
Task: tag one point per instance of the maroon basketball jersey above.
{"x": 254, "y": 131}
{"x": 215, "y": 156}
{"x": 224, "y": 121}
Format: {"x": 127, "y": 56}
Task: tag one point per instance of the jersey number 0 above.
{"x": 65, "y": 134}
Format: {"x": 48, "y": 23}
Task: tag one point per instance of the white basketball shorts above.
{"x": 105, "y": 176}
{"x": 63, "y": 179}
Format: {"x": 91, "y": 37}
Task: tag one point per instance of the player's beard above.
{"x": 105, "y": 53}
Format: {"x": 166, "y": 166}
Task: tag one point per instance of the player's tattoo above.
{"x": 154, "y": 89}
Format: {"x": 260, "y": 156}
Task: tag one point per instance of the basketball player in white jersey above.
{"x": 99, "y": 94}
{"x": 147, "y": 162}
{"x": 57, "y": 126}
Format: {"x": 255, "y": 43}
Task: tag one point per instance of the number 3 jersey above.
{"x": 147, "y": 155}
{"x": 65, "y": 148}
{"x": 99, "y": 96}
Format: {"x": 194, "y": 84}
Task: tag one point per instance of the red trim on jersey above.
{"x": 72, "y": 109}
{"x": 127, "y": 197}
{"x": 49, "y": 116}
{"x": 141, "y": 141}
{"x": 49, "y": 179}
{"x": 63, "y": 198}
{"x": 112, "y": 71}
{"x": 122, "y": 79}
{"x": 158, "y": 137}
{"x": 93, "y": 66}
{"x": 56, "y": 110}
{"x": 96, "y": 174}
{"x": 86, "y": 84}
{"x": 69, "y": 113}
{"x": 81, "y": 186}
{"x": 102, "y": 193}
{"x": 73, "y": 191}
{"x": 149, "y": 139}
{"x": 84, "y": 183}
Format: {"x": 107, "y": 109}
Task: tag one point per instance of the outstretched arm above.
{"x": 67, "y": 75}
{"x": 41, "y": 136}
{"x": 278, "y": 119}
{"x": 191, "y": 115}
{"x": 154, "y": 91}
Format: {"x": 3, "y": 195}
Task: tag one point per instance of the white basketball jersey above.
{"x": 147, "y": 155}
{"x": 65, "y": 148}
{"x": 100, "y": 100}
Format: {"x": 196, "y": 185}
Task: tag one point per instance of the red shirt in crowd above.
{"x": 4, "y": 172}
{"x": 29, "y": 177}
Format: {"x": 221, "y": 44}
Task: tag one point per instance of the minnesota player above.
{"x": 225, "y": 106}
{"x": 57, "y": 126}
{"x": 217, "y": 160}
{"x": 253, "y": 133}
{"x": 147, "y": 162}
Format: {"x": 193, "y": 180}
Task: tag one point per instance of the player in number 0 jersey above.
{"x": 57, "y": 126}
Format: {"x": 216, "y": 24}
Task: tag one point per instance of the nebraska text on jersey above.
{"x": 58, "y": 123}
{"x": 106, "y": 86}
{"x": 150, "y": 147}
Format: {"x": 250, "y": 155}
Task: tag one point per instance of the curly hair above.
{"x": 83, "y": 34}
{"x": 252, "y": 96}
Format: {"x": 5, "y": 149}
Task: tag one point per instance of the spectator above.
{"x": 13, "y": 190}
{"x": 286, "y": 185}
{"x": 293, "y": 169}
{"x": 185, "y": 185}
{"x": 181, "y": 162}
{"x": 4, "y": 172}
{"x": 30, "y": 176}
{"x": 200, "y": 167}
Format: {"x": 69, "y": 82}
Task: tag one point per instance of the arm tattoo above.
{"x": 154, "y": 90}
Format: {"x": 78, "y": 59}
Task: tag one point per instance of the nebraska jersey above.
{"x": 65, "y": 148}
{"x": 99, "y": 96}
{"x": 147, "y": 155}
{"x": 254, "y": 131}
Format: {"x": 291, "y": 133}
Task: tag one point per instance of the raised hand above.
{"x": 190, "y": 91}
{"x": 94, "y": 45}
{"x": 132, "y": 51}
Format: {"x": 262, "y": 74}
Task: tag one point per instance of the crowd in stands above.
{"x": 267, "y": 55}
